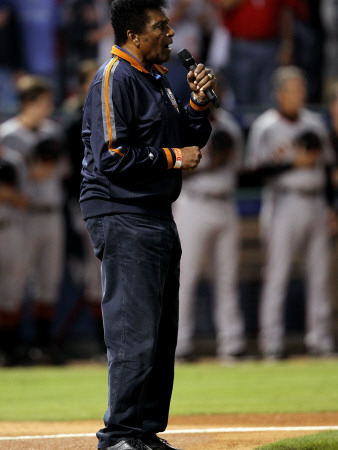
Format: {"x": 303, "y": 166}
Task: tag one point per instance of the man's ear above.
{"x": 133, "y": 38}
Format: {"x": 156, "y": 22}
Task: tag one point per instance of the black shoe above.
{"x": 49, "y": 355}
{"x": 156, "y": 443}
{"x": 274, "y": 356}
{"x": 15, "y": 358}
{"x": 186, "y": 358}
{"x": 128, "y": 444}
{"x": 236, "y": 357}
{"x": 318, "y": 353}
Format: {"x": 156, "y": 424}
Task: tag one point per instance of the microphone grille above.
{"x": 186, "y": 58}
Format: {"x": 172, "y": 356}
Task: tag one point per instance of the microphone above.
{"x": 189, "y": 63}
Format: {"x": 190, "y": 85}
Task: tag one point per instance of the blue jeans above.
{"x": 251, "y": 68}
{"x": 140, "y": 282}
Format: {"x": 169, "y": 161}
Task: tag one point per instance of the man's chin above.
{"x": 164, "y": 57}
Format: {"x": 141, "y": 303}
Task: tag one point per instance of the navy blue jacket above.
{"x": 132, "y": 123}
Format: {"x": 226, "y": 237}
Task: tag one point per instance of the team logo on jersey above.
{"x": 172, "y": 98}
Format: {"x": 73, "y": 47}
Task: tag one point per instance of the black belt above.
{"x": 301, "y": 192}
{"x": 223, "y": 196}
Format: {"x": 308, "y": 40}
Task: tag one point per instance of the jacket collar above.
{"x": 123, "y": 54}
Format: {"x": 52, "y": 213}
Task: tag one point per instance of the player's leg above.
{"x": 280, "y": 248}
{"x": 319, "y": 337}
{"x": 49, "y": 269}
{"x": 93, "y": 291}
{"x": 194, "y": 231}
{"x": 12, "y": 291}
{"x": 227, "y": 313}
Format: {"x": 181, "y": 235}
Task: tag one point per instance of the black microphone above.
{"x": 189, "y": 63}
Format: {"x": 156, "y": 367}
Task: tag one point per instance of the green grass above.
{"x": 80, "y": 392}
{"x": 50, "y": 393}
{"x": 299, "y": 386}
{"x": 327, "y": 440}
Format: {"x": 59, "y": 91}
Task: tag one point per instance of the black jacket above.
{"x": 131, "y": 124}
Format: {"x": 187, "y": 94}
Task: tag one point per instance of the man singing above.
{"x": 138, "y": 138}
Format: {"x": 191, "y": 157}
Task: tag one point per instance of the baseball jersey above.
{"x": 47, "y": 192}
{"x": 223, "y": 179}
{"x": 271, "y": 140}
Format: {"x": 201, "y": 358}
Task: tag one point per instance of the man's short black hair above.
{"x": 131, "y": 15}
{"x": 308, "y": 140}
{"x": 31, "y": 87}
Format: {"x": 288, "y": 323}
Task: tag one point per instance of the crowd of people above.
{"x": 51, "y": 37}
{"x": 277, "y": 58}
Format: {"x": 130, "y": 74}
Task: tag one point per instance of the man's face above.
{"x": 42, "y": 107}
{"x": 291, "y": 96}
{"x": 156, "y": 38}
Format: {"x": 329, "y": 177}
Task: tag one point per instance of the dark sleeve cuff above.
{"x": 171, "y": 157}
{"x": 197, "y": 105}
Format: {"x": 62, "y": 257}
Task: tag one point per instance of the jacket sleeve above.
{"x": 196, "y": 126}
{"x": 109, "y": 128}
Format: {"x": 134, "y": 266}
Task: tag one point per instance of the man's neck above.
{"x": 291, "y": 116}
{"x": 29, "y": 122}
{"x": 133, "y": 51}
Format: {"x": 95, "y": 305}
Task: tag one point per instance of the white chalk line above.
{"x": 183, "y": 431}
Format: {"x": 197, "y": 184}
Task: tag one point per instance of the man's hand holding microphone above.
{"x": 201, "y": 81}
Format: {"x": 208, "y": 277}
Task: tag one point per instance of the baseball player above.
{"x": 12, "y": 204}
{"x": 207, "y": 220}
{"x": 32, "y": 133}
{"x": 294, "y": 212}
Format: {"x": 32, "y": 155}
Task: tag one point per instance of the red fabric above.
{"x": 259, "y": 19}
{"x": 300, "y": 7}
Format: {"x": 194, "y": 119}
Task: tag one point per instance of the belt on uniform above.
{"x": 43, "y": 209}
{"x": 210, "y": 196}
{"x": 301, "y": 192}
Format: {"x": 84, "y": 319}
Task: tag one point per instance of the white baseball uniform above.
{"x": 207, "y": 221}
{"x": 44, "y": 227}
{"x": 293, "y": 220}
{"x": 12, "y": 257}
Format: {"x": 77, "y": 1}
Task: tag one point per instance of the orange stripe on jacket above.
{"x": 116, "y": 150}
{"x": 106, "y": 102}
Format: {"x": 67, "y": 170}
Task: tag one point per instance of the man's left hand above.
{"x": 200, "y": 80}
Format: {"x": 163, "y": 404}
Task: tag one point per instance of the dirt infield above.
{"x": 178, "y": 431}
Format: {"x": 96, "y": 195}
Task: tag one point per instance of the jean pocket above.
{"x": 95, "y": 230}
